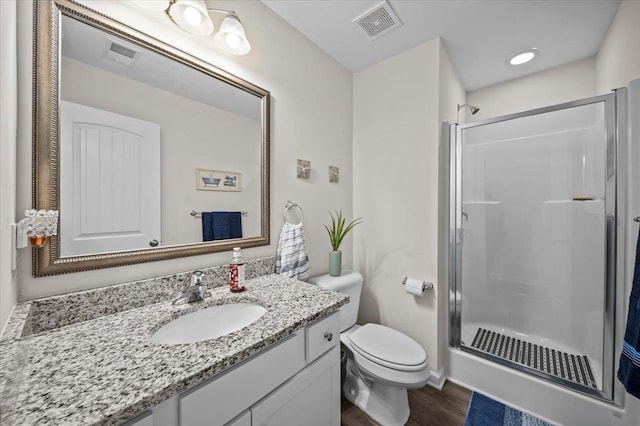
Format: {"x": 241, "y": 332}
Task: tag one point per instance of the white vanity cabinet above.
{"x": 310, "y": 398}
{"x": 294, "y": 382}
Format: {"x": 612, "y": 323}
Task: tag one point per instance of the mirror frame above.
{"x": 45, "y": 178}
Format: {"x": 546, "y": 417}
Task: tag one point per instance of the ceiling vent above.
{"x": 378, "y": 21}
{"x": 121, "y": 54}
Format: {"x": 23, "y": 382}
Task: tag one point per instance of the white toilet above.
{"x": 382, "y": 363}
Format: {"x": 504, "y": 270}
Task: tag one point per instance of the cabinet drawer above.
{"x": 322, "y": 336}
{"x": 229, "y": 394}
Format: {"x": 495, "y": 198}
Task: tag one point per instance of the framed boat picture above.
{"x": 218, "y": 180}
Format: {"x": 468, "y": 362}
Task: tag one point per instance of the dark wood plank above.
{"x": 429, "y": 407}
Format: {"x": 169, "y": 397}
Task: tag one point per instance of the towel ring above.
{"x": 289, "y": 205}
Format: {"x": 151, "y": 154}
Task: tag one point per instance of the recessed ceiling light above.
{"x": 522, "y": 57}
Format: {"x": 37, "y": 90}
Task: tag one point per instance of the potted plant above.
{"x": 337, "y": 231}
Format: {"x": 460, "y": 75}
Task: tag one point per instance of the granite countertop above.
{"x": 106, "y": 370}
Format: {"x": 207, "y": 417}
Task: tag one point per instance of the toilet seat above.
{"x": 390, "y": 376}
{"x": 389, "y": 348}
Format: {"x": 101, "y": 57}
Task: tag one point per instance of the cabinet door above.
{"x": 310, "y": 398}
{"x": 242, "y": 420}
{"x": 225, "y": 396}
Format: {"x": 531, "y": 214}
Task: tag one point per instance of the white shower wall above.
{"x": 533, "y": 259}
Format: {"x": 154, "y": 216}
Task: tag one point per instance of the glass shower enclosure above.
{"x": 533, "y": 240}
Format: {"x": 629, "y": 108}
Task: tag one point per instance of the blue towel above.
{"x": 221, "y": 225}
{"x": 629, "y": 371}
{"x": 235, "y": 224}
{"x": 207, "y": 226}
{"x": 221, "y": 229}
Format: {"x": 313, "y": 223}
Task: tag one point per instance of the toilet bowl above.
{"x": 382, "y": 363}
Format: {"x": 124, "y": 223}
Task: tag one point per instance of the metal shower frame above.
{"x": 617, "y": 150}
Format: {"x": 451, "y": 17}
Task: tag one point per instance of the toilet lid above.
{"x": 388, "y": 347}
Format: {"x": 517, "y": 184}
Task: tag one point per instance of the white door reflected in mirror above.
{"x": 110, "y": 182}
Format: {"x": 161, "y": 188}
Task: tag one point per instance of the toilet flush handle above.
{"x": 328, "y": 336}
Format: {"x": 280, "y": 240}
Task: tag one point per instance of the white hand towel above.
{"x": 291, "y": 257}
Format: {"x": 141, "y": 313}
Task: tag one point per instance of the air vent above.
{"x": 121, "y": 50}
{"x": 378, "y": 21}
{"x": 120, "y": 53}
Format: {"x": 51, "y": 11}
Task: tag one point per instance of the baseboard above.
{"x": 437, "y": 379}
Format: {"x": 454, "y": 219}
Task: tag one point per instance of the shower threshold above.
{"x": 566, "y": 366}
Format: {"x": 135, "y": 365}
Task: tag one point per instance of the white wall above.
{"x": 618, "y": 60}
{"x": 395, "y": 151}
{"x": 565, "y": 83}
{"x": 192, "y": 135}
{"x": 8, "y": 128}
{"x": 311, "y": 119}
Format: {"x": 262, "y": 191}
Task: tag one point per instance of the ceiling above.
{"x": 91, "y": 46}
{"x": 478, "y": 35}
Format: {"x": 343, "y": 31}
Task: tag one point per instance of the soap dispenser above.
{"x": 236, "y": 272}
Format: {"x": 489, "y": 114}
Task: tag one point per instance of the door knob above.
{"x": 153, "y": 243}
{"x": 328, "y": 336}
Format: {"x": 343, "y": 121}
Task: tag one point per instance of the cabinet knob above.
{"x": 153, "y": 243}
{"x": 328, "y": 336}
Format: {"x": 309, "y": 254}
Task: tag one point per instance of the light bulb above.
{"x": 523, "y": 56}
{"x": 192, "y": 16}
{"x": 233, "y": 40}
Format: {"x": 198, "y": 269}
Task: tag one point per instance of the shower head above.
{"x": 472, "y": 108}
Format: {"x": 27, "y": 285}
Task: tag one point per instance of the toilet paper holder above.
{"x": 425, "y": 284}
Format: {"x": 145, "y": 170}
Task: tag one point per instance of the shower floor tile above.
{"x": 571, "y": 367}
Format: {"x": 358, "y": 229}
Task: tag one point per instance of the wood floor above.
{"x": 429, "y": 407}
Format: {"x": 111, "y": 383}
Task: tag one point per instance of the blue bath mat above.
{"x": 484, "y": 411}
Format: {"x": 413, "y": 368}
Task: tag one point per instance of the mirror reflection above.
{"x": 152, "y": 152}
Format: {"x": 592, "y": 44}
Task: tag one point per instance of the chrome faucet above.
{"x": 195, "y": 292}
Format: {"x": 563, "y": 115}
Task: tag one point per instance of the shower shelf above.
{"x": 597, "y": 200}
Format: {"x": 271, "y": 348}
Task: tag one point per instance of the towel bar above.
{"x": 199, "y": 214}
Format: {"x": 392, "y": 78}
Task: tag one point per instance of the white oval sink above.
{"x": 208, "y": 323}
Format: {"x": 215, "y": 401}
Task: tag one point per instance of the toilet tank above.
{"x": 349, "y": 283}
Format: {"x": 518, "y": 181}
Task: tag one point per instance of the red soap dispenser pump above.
{"x": 236, "y": 272}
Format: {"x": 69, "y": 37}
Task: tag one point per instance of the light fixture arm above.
{"x": 230, "y": 13}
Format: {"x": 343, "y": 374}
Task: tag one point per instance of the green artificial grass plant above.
{"x": 337, "y": 230}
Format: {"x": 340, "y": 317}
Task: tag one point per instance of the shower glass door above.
{"x": 534, "y": 211}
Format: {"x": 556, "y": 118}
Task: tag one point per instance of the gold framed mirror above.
{"x": 134, "y": 139}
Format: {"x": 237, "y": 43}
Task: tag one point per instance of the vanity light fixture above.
{"x": 193, "y": 17}
{"x": 231, "y": 37}
{"x": 522, "y": 57}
